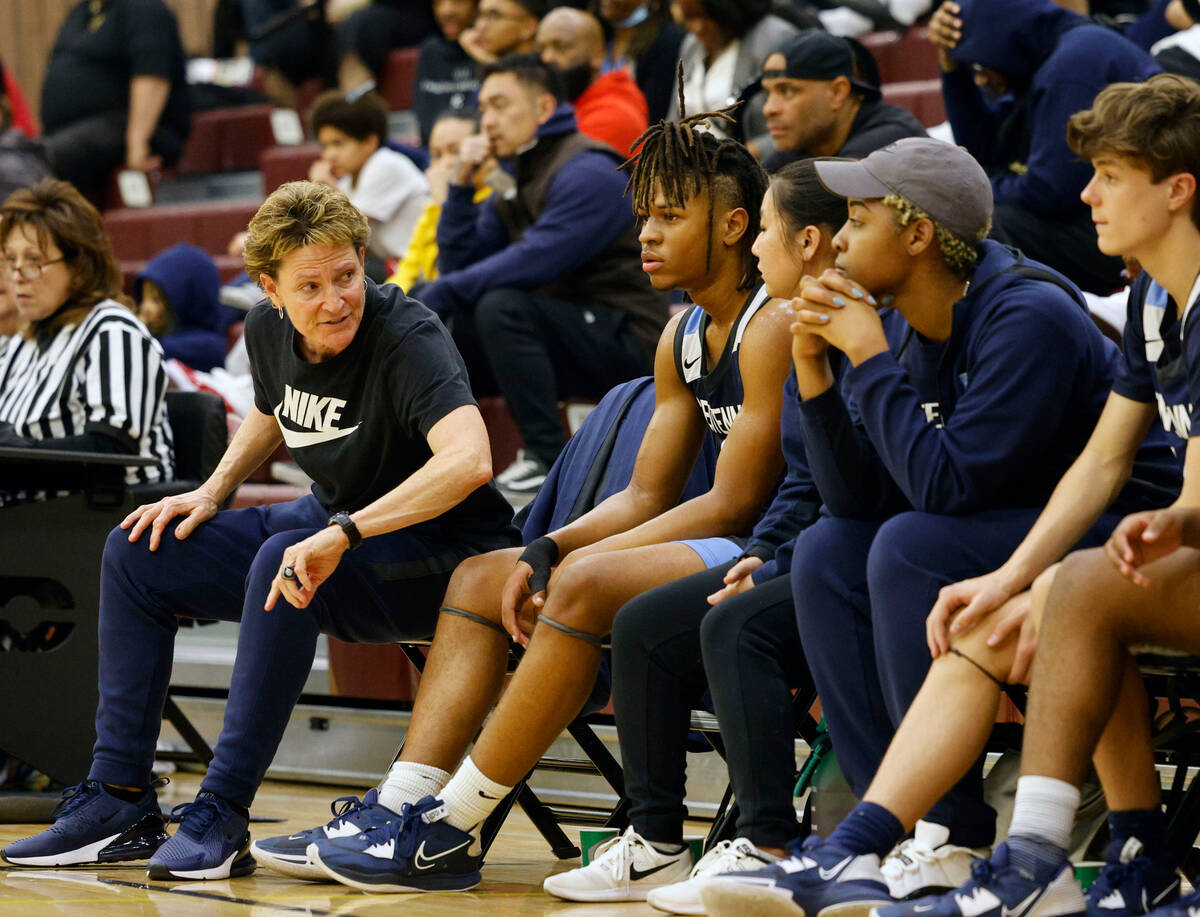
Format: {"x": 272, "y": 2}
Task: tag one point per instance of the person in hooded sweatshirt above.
{"x": 543, "y": 287}
{"x": 934, "y": 458}
{"x": 1013, "y": 73}
{"x": 178, "y": 300}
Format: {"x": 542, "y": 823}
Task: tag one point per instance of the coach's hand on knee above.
{"x": 305, "y": 566}
{"x": 1015, "y": 618}
{"x": 960, "y": 606}
{"x": 197, "y": 505}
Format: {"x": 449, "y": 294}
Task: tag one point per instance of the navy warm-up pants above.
{"x": 863, "y": 590}
{"x": 387, "y": 590}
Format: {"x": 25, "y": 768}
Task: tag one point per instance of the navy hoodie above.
{"x": 1055, "y": 62}
{"x": 989, "y": 419}
{"x": 586, "y": 211}
{"x": 192, "y": 283}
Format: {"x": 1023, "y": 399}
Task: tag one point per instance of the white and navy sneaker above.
{"x": 1131, "y": 884}
{"x": 818, "y": 880}
{"x": 212, "y": 842}
{"x": 623, "y": 868}
{"x": 925, "y": 864}
{"x": 524, "y": 476}
{"x": 738, "y": 855}
{"x": 288, "y": 853}
{"x": 997, "y": 888}
{"x": 416, "y": 852}
{"x": 1187, "y": 906}
{"x": 93, "y": 826}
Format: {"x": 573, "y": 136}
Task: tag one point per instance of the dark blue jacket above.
{"x": 1055, "y": 62}
{"x": 192, "y": 283}
{"x": 989, "y": 419}
{"x": 796, "y": 504}
{"x": 586, "y": 211}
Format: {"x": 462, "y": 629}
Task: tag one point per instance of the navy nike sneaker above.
{"x": 1187, "y": 906}
{"x": 288, "y": 853}
{"x": 212, "y": 842}
{"x": 93, "y": 826}
{"x": 818, "y": 879}
{"x": 417, "y": 852}
{"x": 997, "y": 888}
{"x": 1131, "y": 883}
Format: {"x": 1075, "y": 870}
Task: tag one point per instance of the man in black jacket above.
{"x": 823, "y": 100}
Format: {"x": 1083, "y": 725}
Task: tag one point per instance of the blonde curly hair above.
{"x": 297, "y": 214}
{"x": 959, "y": 254}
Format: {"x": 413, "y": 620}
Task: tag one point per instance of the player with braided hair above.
{"x": 719, "y": 371}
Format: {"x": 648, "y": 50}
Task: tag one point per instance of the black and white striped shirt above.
{"x": 106, "y": 370}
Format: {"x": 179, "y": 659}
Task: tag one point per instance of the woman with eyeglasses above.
{"x": 82, "y": 372}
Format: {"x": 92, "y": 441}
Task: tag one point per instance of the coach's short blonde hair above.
{"x": 297, "y": 214}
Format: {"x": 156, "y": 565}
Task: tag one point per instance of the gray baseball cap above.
{"x": 942, "y": 179}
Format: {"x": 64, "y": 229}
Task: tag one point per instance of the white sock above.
{"x": 408, "y": 781}
{"x": 1045, "y": 809}
{"x": 470, "y": 796}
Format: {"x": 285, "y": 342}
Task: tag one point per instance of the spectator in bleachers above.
{"x": 115, "y": 93}
{"x": 367, "y": 32}
{"x": 727, "y": 45}
{"x": 642, "y": 37}
{"x": 419, "y": 264}
{"x": 84, "y": 374}
{"x": 823, "y": 99}
{"x": 23, "y": 160}
{"x": 178, "y": 300}
{"x": 1013, "y": 73}
{"x": 609, "y": 107}
{"x": 502, "y": 27}
{"x": 367, "y": 391}
{"x": 447, "y": 76}
{"x": 543, "y": 287}
{"x": 729, "y": 630}
{"x": 965, "y": 415}
{"x": 385, "y": 186}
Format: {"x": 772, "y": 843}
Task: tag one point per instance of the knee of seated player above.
{"x": 577, "y": 595}
{"x": 1084, "y": 589}
{"x": 476, "y": 583}
{"x": 1039, "y": 592}
{"x": 996, "y": 660}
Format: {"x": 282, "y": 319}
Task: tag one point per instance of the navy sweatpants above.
{"x": 862, "y": 591}
{"x": 388, "y": 589}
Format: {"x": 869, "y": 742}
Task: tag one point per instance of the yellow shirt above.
{"x": 420, "y": 260}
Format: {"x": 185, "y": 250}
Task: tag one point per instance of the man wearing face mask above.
{"x": 1013, "y": 73}
{"x": 609, "y": 107}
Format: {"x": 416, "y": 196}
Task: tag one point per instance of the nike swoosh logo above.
{"x": 298, "y": 439}
{"x": 687, "y": 366}
{"x": 922, "y": 908}
{"x": 828, "y": 874}
{"x": 106, "y": 818}
{"x": 486, "y": 796}
{"x": 1025, "y": 905}
{"x": 420, "y": 861}
{"x": 295, "y": 837}
{"x": 636, "y": 874}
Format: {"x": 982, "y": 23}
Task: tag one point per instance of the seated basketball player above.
{"x": 982, "y": 631}
{"x": 719, "y": 370}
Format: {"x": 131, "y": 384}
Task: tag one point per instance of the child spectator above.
{"x": 419, "y": 263}
{"x": 177, "y": 295}
{"x": 384, "y": 185}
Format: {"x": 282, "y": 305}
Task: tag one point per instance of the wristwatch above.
{"x": 352, "y": 533}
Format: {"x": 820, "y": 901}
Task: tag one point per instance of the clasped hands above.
{"x": 834, "y": 310}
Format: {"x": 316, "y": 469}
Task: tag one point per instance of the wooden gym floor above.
{"x": 512, "y": 879}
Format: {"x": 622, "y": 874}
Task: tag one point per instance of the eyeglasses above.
{"x": 28, "y": 270}
{"x": 497, "y": 16}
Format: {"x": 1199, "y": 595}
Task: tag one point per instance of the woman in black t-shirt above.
{"x": 369, "y": 394}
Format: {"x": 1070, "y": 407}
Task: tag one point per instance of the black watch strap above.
{"x": 352, "y": 533}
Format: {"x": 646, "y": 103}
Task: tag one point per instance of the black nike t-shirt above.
{"x": 357, "y": 422}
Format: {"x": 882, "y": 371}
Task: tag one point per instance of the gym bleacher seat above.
{"x": 921, "y": 97}
{"x": 903, "y": 57}
{"x": 139, "y": 234}
{"x": 399, "y": 78}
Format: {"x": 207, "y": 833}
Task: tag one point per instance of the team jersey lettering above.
{"x": 720, "y": 419}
